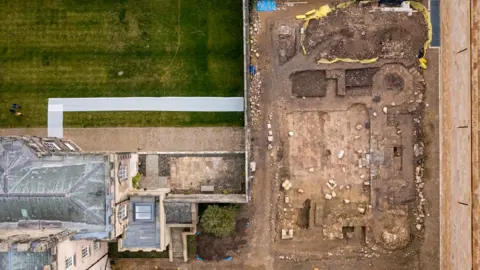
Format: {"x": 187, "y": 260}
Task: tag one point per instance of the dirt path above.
{"x": 148, "y": 139}
{"x": 430, "y": 253}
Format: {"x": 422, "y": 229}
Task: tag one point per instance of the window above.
{"x": 122, "y": 173}
{"x": 52, "y": 146}
{"x": 85, "y": 251}
{"x": 143, "y": 212}
{"x": 122, "y": 212}
{"x": 69, "y": 262}
{"x": 96, "y": 245}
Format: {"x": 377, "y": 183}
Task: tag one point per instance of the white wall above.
{"x": 69, "y": 248}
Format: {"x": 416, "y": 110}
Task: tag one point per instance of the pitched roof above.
{"x": 14, "y": 260}
{"x": 66, "y": 188}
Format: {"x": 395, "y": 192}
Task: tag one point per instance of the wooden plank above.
{"x": 455, "y": 144}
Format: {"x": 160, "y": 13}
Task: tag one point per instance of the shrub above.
{"x": 219, "y": 221}
{"x": 136, "y": 181}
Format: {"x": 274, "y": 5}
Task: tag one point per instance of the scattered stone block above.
{"x": 362, "y": 176}
{"x": 418, "y": 150}
{"x": 290, "y": 133}
{"x": 270, "y": 132}
{"x": 253, "y": 166}
{"x": 286, "y": 184}
{"x": 374, "y": 113}
{"x": 334, "y": 194}
{"x": 366, "y": 183}
{"x": 329, "y": 185}
{"x": 359, "y": 126}
{"x": 361, "y": 210}
{"x": 340, "y": 154}
{"x": 356, "y": 137}
{"x": 287, "y": 199}
{"x": 419, "y": 226}
{"x": 269, "y": 126}
{"x": 331, "y": 181}
{"x": 287, "y": 234}
{"x": 346, "y": 201}
{"x": 311, "y": 169}
{"x": 270, "y": 138}
{"x": 300, "y": 190}
{"x": 269, "y": 146}
{"x": 385, "y": 109}
{"x": 328, "y": 196}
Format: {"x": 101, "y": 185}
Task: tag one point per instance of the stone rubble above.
{"x": 286, "y": 184}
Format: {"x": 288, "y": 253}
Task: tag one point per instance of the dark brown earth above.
{"x": 359, "y": 77}
{"x": 310, "y": 83}
{"x": 210, "y": 247}
{"x": 394, "y": 82}
{"x": 356, "y": 33}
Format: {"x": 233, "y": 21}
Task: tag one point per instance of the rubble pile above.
{"x": 255, "y": 88}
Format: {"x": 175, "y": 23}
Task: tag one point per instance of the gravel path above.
{"x": 163, "y": 139}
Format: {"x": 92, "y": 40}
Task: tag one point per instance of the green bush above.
{"x": 219, "y": 221}
{"x": 136, "y": 181}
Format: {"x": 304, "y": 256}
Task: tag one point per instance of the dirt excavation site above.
{"x": 345, "y": 123}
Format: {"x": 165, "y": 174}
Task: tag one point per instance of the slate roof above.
{"x": 178, "y": 213}
{"x": 14, "y": 260}
{"x": 67, "y": 188}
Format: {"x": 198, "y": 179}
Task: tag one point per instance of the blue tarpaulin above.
{"x": 252, "y": 70}
{"x": 266, "y": 5}
{"x": 435, "y": 18}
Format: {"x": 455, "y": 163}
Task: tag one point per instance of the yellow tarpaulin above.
{"x": 421, "y": 8}
{"x": 347, "y": 60}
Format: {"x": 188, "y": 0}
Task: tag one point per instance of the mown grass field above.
{"x": 76, "y": 48}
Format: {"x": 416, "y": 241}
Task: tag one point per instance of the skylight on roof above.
{"x": 143, "y": 212}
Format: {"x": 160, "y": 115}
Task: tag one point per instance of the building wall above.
{"x": 122, "y": 188}
{"x": 94, "y": 261}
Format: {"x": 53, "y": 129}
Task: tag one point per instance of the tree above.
{"x": 219, "y": 221}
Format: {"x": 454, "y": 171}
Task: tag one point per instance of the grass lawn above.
{"x": 78, "y": 48}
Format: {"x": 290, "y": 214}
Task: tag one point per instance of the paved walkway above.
{"x": 162, "y": 139}
{"x": 56, "y": 106}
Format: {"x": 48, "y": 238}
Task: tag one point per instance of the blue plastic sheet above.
{"x": 229, "y": 258}
{"x": 266, "y": 5}
{"x": 252, "y": 69}
{"x": 198, "y": 257}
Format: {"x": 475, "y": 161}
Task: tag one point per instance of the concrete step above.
{"x": 177, "y": 245}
